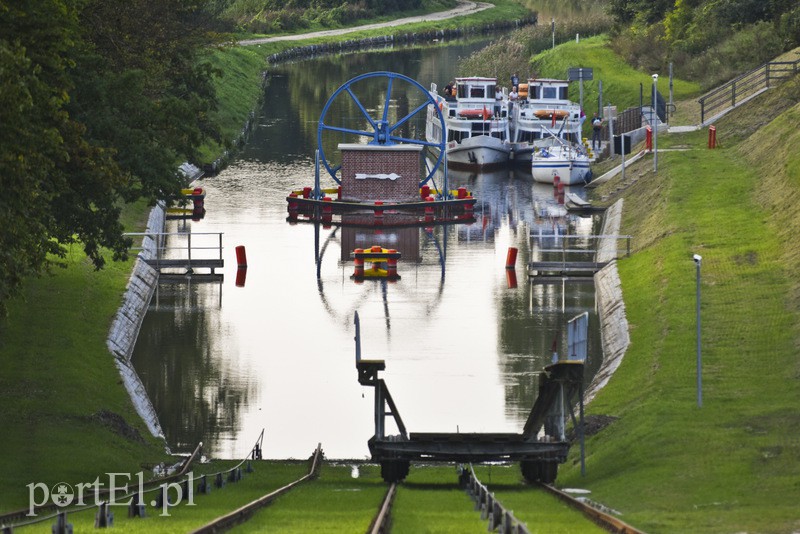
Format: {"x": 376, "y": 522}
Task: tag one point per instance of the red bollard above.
{"x": 462, "y": 192}
{"x": 511, "y": 257}
{"x": 378, "y": 212}
{"x": 326, "y": 206}
{"x": 241, "y": 257}
{"x": 648, "y": 141}
{"x": 339, "y": 193}
{"x": 306, "y": 192}
{"x": 712, "y": 136}
{"x": 424, "y": 191}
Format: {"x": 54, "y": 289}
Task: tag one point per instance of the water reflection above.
{"x": 463, "y": 350}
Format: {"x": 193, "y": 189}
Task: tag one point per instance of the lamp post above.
{"x": 655, "y": 123}
{"x": 698, "y": 261}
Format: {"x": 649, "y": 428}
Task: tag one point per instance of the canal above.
{"x": 463, "y": 346}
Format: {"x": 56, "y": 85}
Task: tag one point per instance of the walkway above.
{"x": 464, "y": 7}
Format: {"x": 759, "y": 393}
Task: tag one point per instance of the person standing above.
{"x": 514, "y": 80}
{"x": 513, "y": 97}
{"x": 498, "y": 100}
{"x": 597, "y": 126}
{"x": 450, "y": 91}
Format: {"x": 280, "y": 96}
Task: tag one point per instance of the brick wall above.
{"x": 402, "y": 160}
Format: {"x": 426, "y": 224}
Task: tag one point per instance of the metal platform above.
{"x": 540, "y": 447}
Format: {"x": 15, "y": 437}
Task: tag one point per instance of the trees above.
{"x": 100, "y": 100}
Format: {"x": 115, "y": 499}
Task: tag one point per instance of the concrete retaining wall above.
{"x": 611, "y": 308}
{"x": 128, "y": 320}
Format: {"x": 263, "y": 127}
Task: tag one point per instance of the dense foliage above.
{"x": 709, "y": 40}
{"x": 269, "y": 16}
{"x": 100, "y": 100}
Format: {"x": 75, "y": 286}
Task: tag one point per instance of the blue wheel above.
{"x": 381, "y": 125}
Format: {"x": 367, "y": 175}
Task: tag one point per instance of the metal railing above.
{"x": 602, "y": 248}
{"x": 160, "y": 243}
{"x": 491, "y": 509}
{"x": 747, "y": 85}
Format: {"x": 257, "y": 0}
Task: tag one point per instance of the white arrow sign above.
{"x": 392, "y": 176}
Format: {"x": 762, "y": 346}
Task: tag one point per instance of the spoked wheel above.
{"x": 373, "y": 107}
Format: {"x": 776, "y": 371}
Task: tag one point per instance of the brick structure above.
{"x": 380, "y": 172}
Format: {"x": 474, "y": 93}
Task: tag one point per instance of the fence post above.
{"x": 628, "y": 240}
{"x": 767, "y": 73}
{"x": 190, "y": 248}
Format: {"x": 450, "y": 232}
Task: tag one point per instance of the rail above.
{"x": 746, "y": 86}
{"x": 244, "y": 513}
{"x": 594, "y": 512}
{"x": 382, "y": 521}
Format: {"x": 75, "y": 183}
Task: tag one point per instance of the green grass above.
{"x": 335, "y": 502}
{"x": 620, "y": 80}
{"x": 731, "y": 465}
{"x": 185, "y": 517}
{"x": 542, "y": 512}
{"x": 430, "y": 501}
{"x": 53, "y": 352}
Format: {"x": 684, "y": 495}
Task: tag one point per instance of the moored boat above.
{"x": 476, "y": 124}
{"x": 555, "y": 156}
{"x": 545, "y": 108}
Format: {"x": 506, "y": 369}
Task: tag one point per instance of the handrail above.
{"x": 748, "y": 83}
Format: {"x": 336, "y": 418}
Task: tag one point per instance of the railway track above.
{"x": 432, "y": 497}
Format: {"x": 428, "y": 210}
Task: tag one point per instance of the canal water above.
{"x": 463, "y": 343}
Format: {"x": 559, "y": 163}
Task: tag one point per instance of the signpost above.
{"x": 580, "y": 74}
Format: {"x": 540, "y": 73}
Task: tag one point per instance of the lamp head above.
{"x": 697, "y": 258}
{"x": 655, "y": 77}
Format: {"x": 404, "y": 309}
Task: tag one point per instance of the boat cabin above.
{"x": 548, "y": 90}
{"x": 477, "y": 88}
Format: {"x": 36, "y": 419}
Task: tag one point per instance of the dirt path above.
{"x": 464, "y": 7}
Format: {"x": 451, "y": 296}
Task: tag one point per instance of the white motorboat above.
{"x": 543, "y": 108}
{"x": 555, "y": 156}
{"x": 476, "y": 123}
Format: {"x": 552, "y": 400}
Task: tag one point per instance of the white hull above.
{"x": 571, "y": 171}
{"x": 476, "y": 125}
{"x": 480, "y": 151}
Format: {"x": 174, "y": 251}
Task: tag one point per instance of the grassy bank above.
{"x": 732, "y": 464}
{"x": 65, "y": 414}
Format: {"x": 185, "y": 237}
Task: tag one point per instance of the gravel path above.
{"x": 464, "y": 7}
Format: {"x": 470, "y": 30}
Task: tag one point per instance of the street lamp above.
{"x": 655, "y": 122}
{"x": 698, "y": 260}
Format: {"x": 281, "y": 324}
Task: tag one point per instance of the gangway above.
{"x": 540, "y": 447}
